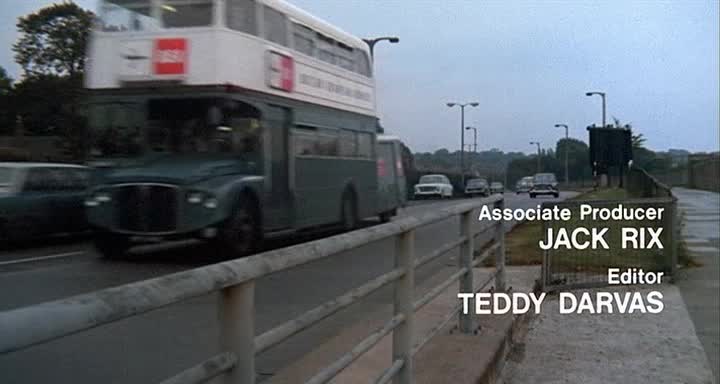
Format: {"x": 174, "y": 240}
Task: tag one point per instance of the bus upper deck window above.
{"x": 240, "y": 15}
{"x": 119, "y": 15}
{"x": 193, "y": 13}
{"x": 275, "y": 26}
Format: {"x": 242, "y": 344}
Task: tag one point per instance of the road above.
{"x": 154, "y": 346}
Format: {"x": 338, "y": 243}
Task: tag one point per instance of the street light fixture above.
{"x": 462, "y": 134}
{"x": 371, "y": 43}
{"x": 601, "y": 94}
{"x": 567, "y": 147}
{"x": 538, "y": 156}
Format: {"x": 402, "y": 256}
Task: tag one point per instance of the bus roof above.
{"x": 386, "y": 138}
{"x": 302, "y": 17}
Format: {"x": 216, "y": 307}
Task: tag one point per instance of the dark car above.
{"x": 544, "y": 184}
{"x": 39, "y": 199}
{"x": 477, "y": 187}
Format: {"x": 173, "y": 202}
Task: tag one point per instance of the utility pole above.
{"x": 567, "y": 142}
{"x": 462, "y": 135}
{"x": 538, "y": 155}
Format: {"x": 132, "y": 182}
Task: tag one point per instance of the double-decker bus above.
{"x": 228, "y": 120}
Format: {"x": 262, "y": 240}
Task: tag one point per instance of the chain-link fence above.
{"x": 578, "y": 268}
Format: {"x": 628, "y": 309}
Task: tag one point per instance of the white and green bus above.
{"x": 228, "y": 120}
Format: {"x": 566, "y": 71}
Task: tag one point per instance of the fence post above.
{"x": 671, "y": 221}
{"x": 465, "y": 261}
{"x": 403, "y": 304}
{"x": 237, "y": 331}
{"x": 545, "y": 267}
{"x": 500, "y": 253}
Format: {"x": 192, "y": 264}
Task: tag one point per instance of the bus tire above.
{"x": 240, "y": 234}
{"x": 348, "y": 211}
{"x": 111, "y": 245}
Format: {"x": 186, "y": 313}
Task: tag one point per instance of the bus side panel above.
{"x": 320, "y": 183}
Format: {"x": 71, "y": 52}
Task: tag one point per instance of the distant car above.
{"x": 433, "y": 186}
{"x": 497, "y": 187}
{"x": 544, "y": 184}
{"x": 39, "y": 199}
{"x": 476, "y": 187}
{"x": 523, "y": 185}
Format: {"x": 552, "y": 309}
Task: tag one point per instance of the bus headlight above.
{"x": 198, "y": 197}
{"x": 195, "y": 197}
{"x": 210, "y": 203}
{"x": 102, "y": 197}
{"x": 98, "y": 198}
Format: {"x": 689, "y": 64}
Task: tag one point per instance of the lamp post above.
{"x": 371, "y": 43}
{"x": 462, "y": 134}
{"x": 474, "y": 137}
{"x": 567, "y": 142}
{"x": 601, "y": 94}
{"x": 538, "y": 147}
{"x": 474, "y": 146}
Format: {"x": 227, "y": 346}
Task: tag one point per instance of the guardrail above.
{"x": 235, "y": 280}
{"x": 574, "y": 269}
{"x": 642, "y": 184}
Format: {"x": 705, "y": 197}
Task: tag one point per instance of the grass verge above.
{"x": 521, "y": 245}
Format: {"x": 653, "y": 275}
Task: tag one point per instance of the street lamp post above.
{"x": 567, "y": 142}
{"x": 371, "y": 43}
{"x": 602, "y": 95}
{"x": 462, "y": 135}
{"x": 474, "y": 146}
{"x": 538, "y": 160}
{"x": 474, "y": 137}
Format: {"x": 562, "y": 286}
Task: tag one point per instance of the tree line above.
{"x": 509, "y": 167}
{"x": 46, "y": 99}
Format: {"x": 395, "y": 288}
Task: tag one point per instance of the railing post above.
{"x": 545, "y": 267}
{"x": 671, "y": 221}
{"x": 500, "y": 253}
{"x": 404, "y": 300}
{"x": 465, "y": 261}
{"x": 237, "y": 331}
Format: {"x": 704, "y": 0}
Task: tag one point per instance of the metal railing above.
{"x": 642, "y": 184}
{"x": 235, "y": 280}
{"x": 573, "y": 269}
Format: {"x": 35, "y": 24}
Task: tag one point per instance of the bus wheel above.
{"x": 111, "y": 245}
{"x": 349, "y": 212}
{"x": 240, "y": 236}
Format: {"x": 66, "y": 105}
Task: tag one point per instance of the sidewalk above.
{"x": 611, "y": 348}
{"x": 678, "y": 345}
{"x": 700, "y": 287}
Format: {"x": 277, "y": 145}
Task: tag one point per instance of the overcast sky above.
{"x": 528, "y": 64}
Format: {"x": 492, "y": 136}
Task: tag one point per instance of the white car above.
{"x": 433, "y": 186}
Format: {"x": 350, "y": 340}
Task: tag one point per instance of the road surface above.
{"x": 154, "y": 346}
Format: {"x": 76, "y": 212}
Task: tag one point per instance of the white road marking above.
{"x": 41, "y": 258}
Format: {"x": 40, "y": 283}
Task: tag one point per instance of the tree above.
{"x": 638, "y": 141}
{"x": 53, "y": 40}
{"x": 6, "y": 108}
{"x": 5, "y": 82}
